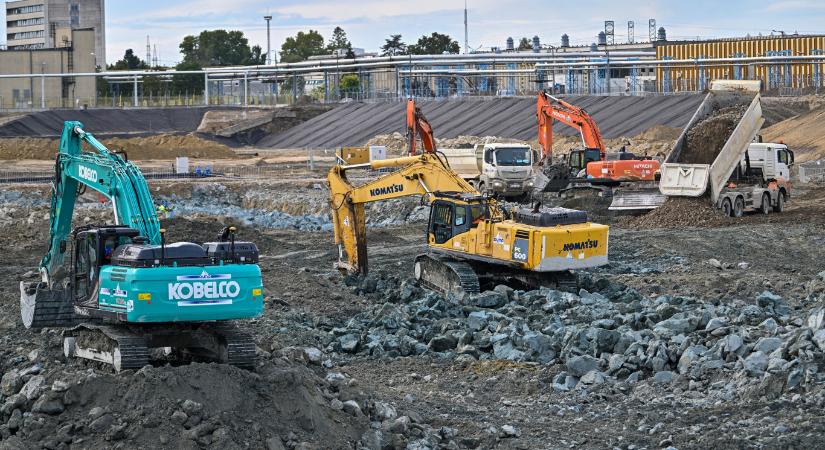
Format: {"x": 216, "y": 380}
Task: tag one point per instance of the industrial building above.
{"x": 35, "y": 89}
{"x": 40, "y": 24}
{"x": 778, "y": 61}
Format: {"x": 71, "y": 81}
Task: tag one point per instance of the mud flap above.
{"x": 636, "y": 199}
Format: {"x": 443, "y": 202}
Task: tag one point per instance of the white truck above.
{"x": 495, "y": 169}
{"x": 744, "y": 174}
{"x": 760, "y": 181}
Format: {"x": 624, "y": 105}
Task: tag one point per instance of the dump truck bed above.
{"x": 687, "y": 173}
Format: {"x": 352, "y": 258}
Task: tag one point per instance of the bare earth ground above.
{"x": 476, "y": 400}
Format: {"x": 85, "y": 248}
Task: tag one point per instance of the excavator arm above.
{"x": 423, "y": 175}
{"x": 107, "y": 173}
{"x": 418, "y": 126}
{"x": 549, "y": 108}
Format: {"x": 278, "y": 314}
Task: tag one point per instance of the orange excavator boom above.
{"x": 549, "y": 108}
{"x": 418, "y": 126}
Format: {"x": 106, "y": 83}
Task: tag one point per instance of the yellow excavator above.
{"x": 473, "y": 241}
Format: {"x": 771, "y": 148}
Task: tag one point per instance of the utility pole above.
{"x": 268, "y": 45}
{"x": 466, "y": 40}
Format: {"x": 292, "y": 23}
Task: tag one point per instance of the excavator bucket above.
{"x": 638, "y": 199}
{"x": 42, "y": 307}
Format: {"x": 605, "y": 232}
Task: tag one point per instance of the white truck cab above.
{"x": 775, "y": 160}
{"x": 503, "y": 169}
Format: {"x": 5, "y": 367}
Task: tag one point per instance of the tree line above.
{"x": 217, "y": 48}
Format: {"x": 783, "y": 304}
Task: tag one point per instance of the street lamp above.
{"x": 43, "y": 85}
{"x": 268, "y": 48}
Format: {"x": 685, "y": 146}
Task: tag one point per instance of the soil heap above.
{"x": 707, "y": 137}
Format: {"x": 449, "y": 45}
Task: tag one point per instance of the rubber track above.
{"x": 467, "y": 278}
{"x": 134, "y": 354}
{"x": 240, "y": 347}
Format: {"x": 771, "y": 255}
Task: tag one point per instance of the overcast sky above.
{"x": 369, "y": 22}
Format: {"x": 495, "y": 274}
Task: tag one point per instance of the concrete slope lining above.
{"x": 107, "y": 122}
{"x": 355, "y": 123}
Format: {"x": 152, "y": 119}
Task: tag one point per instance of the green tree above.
{"x": 302, "y": 46}
{"x": 350, "y": 85}
{"x": 393, "y": 46}
{"x": 434, "y": 44}
{"x": 130, "y": 61}
{"x": 338, "y": 40}
{"x": 220, "y": 48}
{"x": 525, "y": 44}
{"x": 187, "y": 84}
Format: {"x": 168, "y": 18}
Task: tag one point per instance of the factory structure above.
{"x": 47, "y": 24}
{"x": 67, "y": 37}
{"x": 790, "y": 63}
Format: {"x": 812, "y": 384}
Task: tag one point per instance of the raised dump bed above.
{"x": 714, "y": 141}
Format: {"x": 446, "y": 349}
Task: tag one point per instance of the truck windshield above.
{"x": 513, "y": 156}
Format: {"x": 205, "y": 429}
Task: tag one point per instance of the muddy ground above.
{"x": 313, "y": 390}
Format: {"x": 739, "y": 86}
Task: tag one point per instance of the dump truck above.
{"x": 495, "y": 169}
{"x": 733, "y": 171}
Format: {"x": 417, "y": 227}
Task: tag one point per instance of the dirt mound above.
{"x": 707, "y": 137}
{"x": 162, "y": 146}
{"x": 659, "y": 133}
{"x": 680, "y": 212}
{"x": 396, "y": 143}
{"x": 804, "y": 134}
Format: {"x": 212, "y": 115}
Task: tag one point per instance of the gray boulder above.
{"x": 578, "y": 366}
{"x": 756, "y": 363}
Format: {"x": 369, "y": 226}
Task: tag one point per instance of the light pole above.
{"x": 268, "y": 47}
{"x": 43, "y": 85}
{"x": 95, "y": 78}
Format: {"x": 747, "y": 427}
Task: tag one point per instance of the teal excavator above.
{"x": 124, "y": 290}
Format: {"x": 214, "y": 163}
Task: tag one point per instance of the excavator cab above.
{"x": 93, "y": 249}
{"x": 455, "y": 214}
{"x": 579, "y": 158}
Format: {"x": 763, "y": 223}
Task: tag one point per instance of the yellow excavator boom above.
{"x": 423, "y": 174}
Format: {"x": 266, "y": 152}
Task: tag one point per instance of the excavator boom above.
{"x": 549, "y": 108}
{"x": 418, "y": 175}
{"x": 418, "y": 126}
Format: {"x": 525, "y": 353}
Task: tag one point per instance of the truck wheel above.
{"x": 738, "y": 207}
{"x": 482, "y": 188}
{"x": 765, "y": 208}
{"x": 727, "y": 209}
{"x": 780, "y": 203}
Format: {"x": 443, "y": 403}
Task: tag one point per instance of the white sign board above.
{"x": 182, "y": 164}
{"x": 378, "y": 152}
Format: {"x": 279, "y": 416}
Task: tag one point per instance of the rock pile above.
{"x": 605, "y": 333}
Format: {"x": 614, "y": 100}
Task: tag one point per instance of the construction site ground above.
{"x": 702, "y": 332}
{"x": 486, "y": 403}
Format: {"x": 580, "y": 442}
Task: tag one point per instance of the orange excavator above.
{"x": 591, "y": 166}
{"x": 417, "y": 125}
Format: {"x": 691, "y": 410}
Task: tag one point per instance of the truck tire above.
{"x": 780, "y": 203}
{"x": 765, "y": 207}
{"x": 727, "y": 208}
{"x": 738, "y": 207}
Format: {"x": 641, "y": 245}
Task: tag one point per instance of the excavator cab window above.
{"x": 576, "y": 160}
{"x": 441, "y": 221}
{"x": 479, "y": 213}
{"x": 86, "y": 265}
